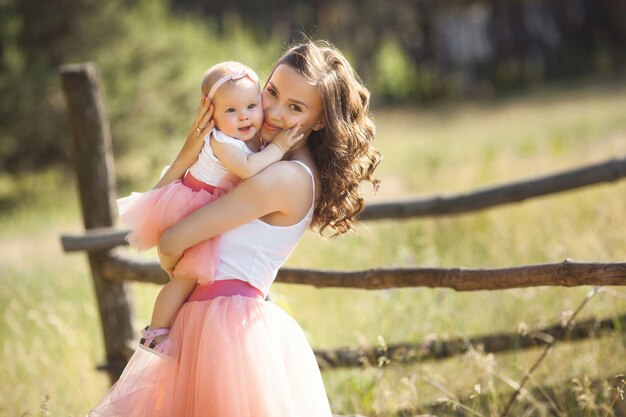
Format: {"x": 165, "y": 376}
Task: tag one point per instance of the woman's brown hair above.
{"x": 342, "y": 149}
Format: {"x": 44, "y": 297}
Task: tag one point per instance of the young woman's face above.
{"x": 238, "y": 109}
{"x": 289, "y": 99}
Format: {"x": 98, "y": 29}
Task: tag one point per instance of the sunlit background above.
{"x": 465, "y": 94}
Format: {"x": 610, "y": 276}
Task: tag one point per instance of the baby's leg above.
{"x": 170, "y": 300}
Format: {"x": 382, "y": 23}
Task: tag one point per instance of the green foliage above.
{"x": 153, "y": 53}
{"x": 36, "y": 37}
{"x": 398, "y": 79}
{"x": 151, "y": 63}
{"x": 396, "y": 73}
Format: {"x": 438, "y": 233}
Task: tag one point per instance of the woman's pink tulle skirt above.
{"x": 231, "y": 357}
{"x": 151, "y": 213}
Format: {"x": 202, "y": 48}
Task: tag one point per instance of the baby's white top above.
{"x": 253, "y": 252}
{"x": 209, "y": 169}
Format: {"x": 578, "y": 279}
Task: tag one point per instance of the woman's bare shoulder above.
{"x": 286, "y": 173}
{"x": 284, "y": 178}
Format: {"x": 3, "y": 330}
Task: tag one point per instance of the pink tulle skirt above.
{"x": 151, "y": 213}
{"x": 233, "y": 356}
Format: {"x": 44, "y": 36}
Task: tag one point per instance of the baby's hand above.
{"x": 286, "y": 138}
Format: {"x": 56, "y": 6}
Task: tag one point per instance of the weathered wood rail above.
{"x": 607, "y": 171}
{"x": 433, "y": 349}
{"x": 111, "y": 270}
{"x": 567, "y": 274}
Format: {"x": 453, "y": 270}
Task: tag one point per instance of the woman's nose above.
{"x": 273, "y": 113}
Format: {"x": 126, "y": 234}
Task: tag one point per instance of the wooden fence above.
{"x": 111, "y": 269}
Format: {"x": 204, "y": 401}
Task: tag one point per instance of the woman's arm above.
{"x": 278, "y": 188}
{"x": 192, "y": 146}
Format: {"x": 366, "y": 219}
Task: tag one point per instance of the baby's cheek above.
{"x": 259, "y": 117}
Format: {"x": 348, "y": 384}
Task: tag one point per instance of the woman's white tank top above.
{"x": 253, "y": 252}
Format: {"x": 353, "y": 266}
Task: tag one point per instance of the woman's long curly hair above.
{"x": 342, "y": 149}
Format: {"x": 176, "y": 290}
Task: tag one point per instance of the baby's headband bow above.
{"x": 234, "y": 75}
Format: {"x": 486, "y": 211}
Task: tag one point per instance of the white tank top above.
{"x": 209, "y": 169}
{"x": 253, "y": 252}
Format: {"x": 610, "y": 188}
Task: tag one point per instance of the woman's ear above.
{"x": 319, "y": 125}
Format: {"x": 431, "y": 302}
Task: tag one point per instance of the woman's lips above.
{"x": 270, "y": 126}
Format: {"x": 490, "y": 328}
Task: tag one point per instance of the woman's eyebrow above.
{"x": 293, "y": 100}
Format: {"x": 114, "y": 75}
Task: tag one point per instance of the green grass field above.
{"x": 50, "y": 339}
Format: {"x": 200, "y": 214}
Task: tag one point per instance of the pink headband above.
{"x": 234, "y": 76}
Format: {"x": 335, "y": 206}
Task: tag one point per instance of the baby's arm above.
{"x": 246, "y": 166}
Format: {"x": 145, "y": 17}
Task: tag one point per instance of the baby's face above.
{"x": 238, "y": 109}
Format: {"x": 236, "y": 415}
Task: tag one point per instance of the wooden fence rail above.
{"x": 433, "y": 349}
{"x": 567, "y": 273}
{"x": 608, "y": 171}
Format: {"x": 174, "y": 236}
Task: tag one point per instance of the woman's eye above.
{"x": 295, "y": 107}
{"x": 272, "y": 92}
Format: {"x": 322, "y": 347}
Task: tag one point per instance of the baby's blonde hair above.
{"x": 219, "y": 70}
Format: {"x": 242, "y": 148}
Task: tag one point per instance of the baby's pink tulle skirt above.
{"x": 233, "y": 356}
{"x": 151, "y": 213}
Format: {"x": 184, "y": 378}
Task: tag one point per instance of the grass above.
{"x": 50, "y": 338}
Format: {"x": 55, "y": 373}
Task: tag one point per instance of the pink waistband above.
{"x": 197, "y": 185}
{"x": 225, "y": 288}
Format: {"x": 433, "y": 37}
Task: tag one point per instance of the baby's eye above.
{"x": 230, "y": 110}
{"x": 251, "y": 106}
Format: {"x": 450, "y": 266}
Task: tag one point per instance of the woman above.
{"x": 232, "y": 353}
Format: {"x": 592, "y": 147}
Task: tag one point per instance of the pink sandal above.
{"x": 147, "y": 341}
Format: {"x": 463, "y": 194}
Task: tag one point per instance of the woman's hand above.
{"x": 168, "y": 260}
{"x": 202, "y": 124}
{"x": 188, "y": 154}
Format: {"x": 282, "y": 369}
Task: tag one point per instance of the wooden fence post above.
{"x": 93, "y": 162}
